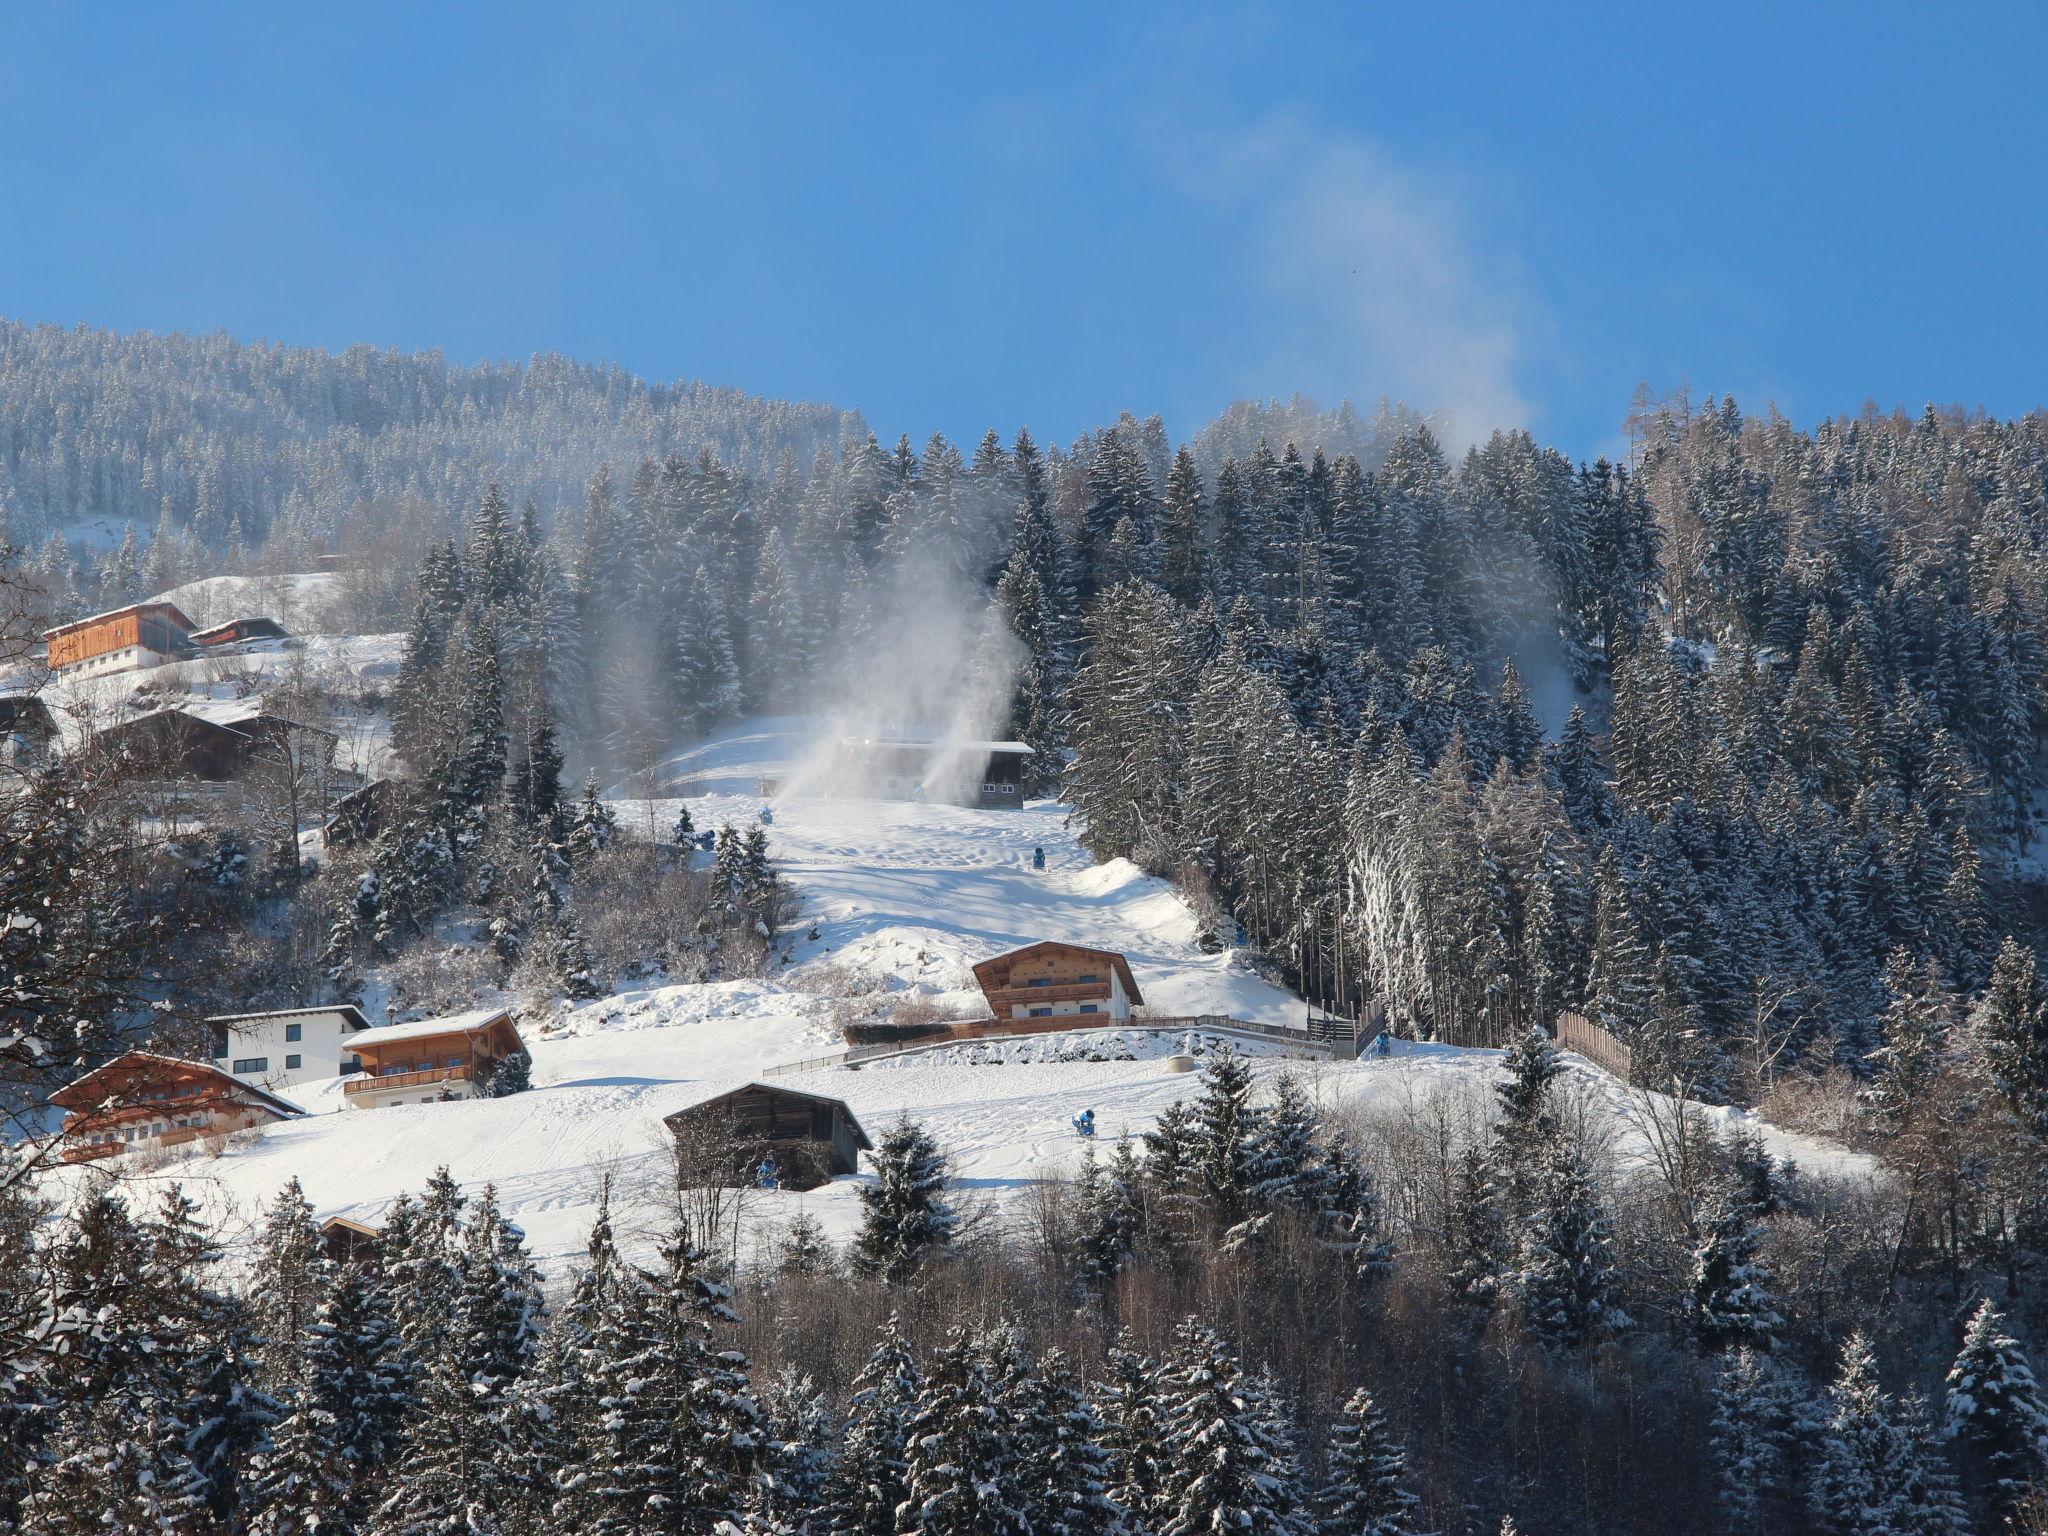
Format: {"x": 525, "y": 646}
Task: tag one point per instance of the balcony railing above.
{"x": 408, "y": 1079}
{"x": 92, "y": 1151}
{"x": 1065, "y": 992}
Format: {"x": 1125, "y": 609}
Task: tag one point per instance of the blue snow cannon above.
{"x": 768, "y": 1176}
{"x": 1084, "y": 1124}
{"x": 1038, "y": 858}
{"x": 767, "y": 815}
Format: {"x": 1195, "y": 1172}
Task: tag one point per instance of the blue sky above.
{"x": 955, "y": 217}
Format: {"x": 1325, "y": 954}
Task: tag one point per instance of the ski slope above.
{"x": 902, "y": 899}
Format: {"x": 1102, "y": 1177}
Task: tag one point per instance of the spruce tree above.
{"x": 868, "y": 1483}
{"x": 1995, "y": 1409}
{"x": 1223, "y": 1469}
{"x": 961, "y": 1470}
{"x": 1364, "y": 1490}
{"x": 904, "y": 1214}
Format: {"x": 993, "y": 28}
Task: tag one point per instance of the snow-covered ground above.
{"x": 903, "y": 897}
{"x": 305, "y": 604}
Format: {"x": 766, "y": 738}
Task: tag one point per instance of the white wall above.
{"x": 320, "y": 1049}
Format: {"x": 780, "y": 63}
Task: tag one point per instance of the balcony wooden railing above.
{"x": 408, "y": 1079}
{"x": 92, "y": 1151}
{"x": 1065, "y": 992}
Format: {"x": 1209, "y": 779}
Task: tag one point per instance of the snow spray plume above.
{"x": 936, "y": 664}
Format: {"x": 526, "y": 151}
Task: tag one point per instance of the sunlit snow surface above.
{"x": 903, "y": 896}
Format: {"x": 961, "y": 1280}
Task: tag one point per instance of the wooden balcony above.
{"x": 465, "y": 1074}
{"x": 1066, "y": 992}
{"x": 92, "y": 1151}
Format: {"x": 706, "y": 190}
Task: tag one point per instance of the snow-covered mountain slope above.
{"x": 903, "y": 897}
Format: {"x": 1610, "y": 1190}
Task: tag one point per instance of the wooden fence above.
{"x": 966, "y": 1031}
{"x": 1582, "y": 1036}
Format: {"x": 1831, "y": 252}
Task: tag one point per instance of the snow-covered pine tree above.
{"x": 1995, "y": 1411}
{"x": 1364, "y": 1491}
{"x": 1748, "y": 1439}
{"x": 801, "y": 1440}
{"x": 592, "y": 826}
{"x": 1563, "y": 1277}
{"x": 288, "y": 1287}
{"x": 1128, "y": 1399}
{"x": 1729, "y": 1301}
{"x": 2010, "y": 1030}
{"x": 1222, "y": 1468}
{"x": 1110, "y": 1212}
{"x": 960, "y": 1470}
{"x": 1063, "y": 1469}
{"x": 904, "y": 1213}
{"x": 868, "y": 1483}
{"x": 679, "y": 1444}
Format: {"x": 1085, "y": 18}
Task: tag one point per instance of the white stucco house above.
{"x": 289, "y": 1045}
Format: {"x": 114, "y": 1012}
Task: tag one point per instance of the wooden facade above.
{"x": 349, "y": 1242}
{"x": 430, "y": 1060}
{"x": 1055, "y": 980}
{"x": 142, "y": 1101}
{"x": 142, "y": 634}
{"x": 809, "y": 1137}
{"x": 182, "y": 744}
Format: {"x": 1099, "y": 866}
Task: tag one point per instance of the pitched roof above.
{"x": 717, "y": 1092}
{"x": 115, "y": 613}
{"x": 78, "y": 1094}
{"x": 347, "y": 1010}
{"x": 987, "y": 972}
{"x": 425, "y": 1029}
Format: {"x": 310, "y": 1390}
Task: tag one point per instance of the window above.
{"x": 1084, "y": 980}
{"x": 1041, "y": 1013}
{"x": 291, "y": 1063}
{"x": 1039, "y": 981}
{"x": 390, "y": 1069}
{"x": 1088, "y": 1008}
{"x": 351, "y": 1063}
{"x": 454, "y": 1061}
{"x": 252, "y": 1064}
{"x": 291, "y": 1034}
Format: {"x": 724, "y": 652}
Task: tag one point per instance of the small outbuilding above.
{"x": 810, "y": 1139}
{"x": 349, "y": 1242}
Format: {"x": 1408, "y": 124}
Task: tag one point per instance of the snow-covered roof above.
{"x": 938, "y": 744}
{"x": 75, "y": 1095}
{"x": 115, "y": 613}
{"x": 346, "y": 1010}
{"x": 422, "y": 1029}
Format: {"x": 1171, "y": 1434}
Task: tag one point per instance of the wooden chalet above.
{"x": 1051, "y": 980}
{"x": 143, "y": 1101}
{"x": 238, "y": 631}
{"x": 809, "y": 1137}
{"x": 349, "y": 1242}
{"x": 430, "y": 1060}
{"x": 360, "y": 814}
{"x": 121, "y": 639}
{"x": 211, "y": 741}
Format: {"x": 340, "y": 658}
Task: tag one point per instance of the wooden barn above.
{"x": 121, "y": 639}
{"x": 1050, "y": 980}
{"x": 212, "y": 741}
{"x": 811, "y": 1138}
{"x": 141, "y": 1101}
{"x": 349, "y": 1242}
{"x": 237, "y": 632}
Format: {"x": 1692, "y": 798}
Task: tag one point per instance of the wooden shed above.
{"x": 810, "y": 1137}
{"x": 349, "y": 1242}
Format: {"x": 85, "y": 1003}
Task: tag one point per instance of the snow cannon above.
{"x": 1084, "y": 1124}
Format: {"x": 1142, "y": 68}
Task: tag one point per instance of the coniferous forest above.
{"x": 1731, "y": 748}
